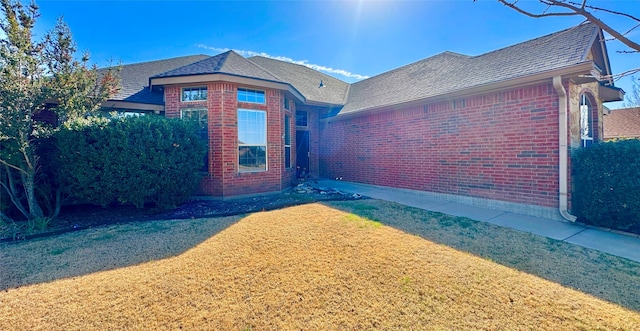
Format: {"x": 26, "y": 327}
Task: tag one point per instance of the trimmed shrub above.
{"x": 607, "y": 184}
{"x": 132, "y": 160}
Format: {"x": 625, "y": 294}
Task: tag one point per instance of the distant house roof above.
{"x": 450, "y": 72}
{"x": 306, "y": 80}
{"x": 135, "y": 78}
{"x": 622, "y": 123}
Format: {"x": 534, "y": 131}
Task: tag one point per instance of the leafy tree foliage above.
{"x": 36, "y": 77}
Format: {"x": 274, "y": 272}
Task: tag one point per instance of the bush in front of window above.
{"x": 134, "y": 160}
{"x": 606, "y": 179}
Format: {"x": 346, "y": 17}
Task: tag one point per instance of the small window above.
{"x": 252, "y": 140}
{"x": 286, "y": 104}
{"x": 253, "y": 96}
{"x": 194, "y": 93}
{"x": 586, "y": 121}
{"x": 287, "y": 141}
{"x": 301, "y": 118}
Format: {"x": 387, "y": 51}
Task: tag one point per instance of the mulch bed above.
{"x": 74, "y": 218}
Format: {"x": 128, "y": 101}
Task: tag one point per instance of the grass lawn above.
{"x": 341, "y": 265}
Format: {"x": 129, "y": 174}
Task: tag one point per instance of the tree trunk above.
{"x": 29, "y": 183}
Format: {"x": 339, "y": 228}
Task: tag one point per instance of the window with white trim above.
{"x": 287, "y": 141}
{"x": 253, "y": 96}
{"x": 252, "y": 140}
{"x": 586, "y": 121}
{"x": 194, "y": 93}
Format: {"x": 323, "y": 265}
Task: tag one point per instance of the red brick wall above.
{"x": 501, "y": 146}
{"x": 223, "y": 178}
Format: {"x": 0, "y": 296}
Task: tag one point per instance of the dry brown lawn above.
{"x": 310, "y": 267}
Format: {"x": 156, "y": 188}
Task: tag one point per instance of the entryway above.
{"x": 302, "y": 153}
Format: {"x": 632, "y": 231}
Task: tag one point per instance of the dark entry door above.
{"x": 302, "y": 153}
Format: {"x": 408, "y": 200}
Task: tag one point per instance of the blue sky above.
{"x": 354, "y": 38}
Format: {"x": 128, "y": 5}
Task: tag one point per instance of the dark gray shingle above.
{"x": 449, "y": 72}
{"x": 135, "y": 78}
{"x": 306, "y": 80}
{"x": 228, "y": 62}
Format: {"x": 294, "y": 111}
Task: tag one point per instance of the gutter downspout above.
{"x": 564, "y": 148}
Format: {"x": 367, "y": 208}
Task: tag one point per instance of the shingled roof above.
{"x": 450, "y": 72}
{"x": 306, "y": 80}
{"x": 230, "y": 63}
{"x": 440, "y": 75}
{"x": 135, "y": 78}
{"x": 622, "y": 123}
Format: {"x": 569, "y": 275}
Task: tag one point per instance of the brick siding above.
{"x": 501, "y": 146}
{"x": 223, "y": 178}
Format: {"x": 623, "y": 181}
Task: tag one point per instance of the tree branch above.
{"x": 609, "y": 11}
{"x": 579, "y": 11}
{"x": 625, "y": 73}
{"x": 6, "y": 164}
{"x": 601, "y": 24}
{"x": 530, "y": 14}
{"x": 11, "y": 190}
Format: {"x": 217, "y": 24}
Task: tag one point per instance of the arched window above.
{"x": 586, "y": 121}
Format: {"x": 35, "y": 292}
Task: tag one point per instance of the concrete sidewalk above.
{"x": 623, "y": 245}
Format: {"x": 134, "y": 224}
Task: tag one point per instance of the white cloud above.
{"x": 287, "y": 59}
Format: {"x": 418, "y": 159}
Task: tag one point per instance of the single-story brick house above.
{"x": 493, "y": 129}
{"x": 622, "y": 124}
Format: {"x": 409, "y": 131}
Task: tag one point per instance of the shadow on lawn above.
{"x": 103, "y": 248}
{"x": 599, "y": 274}
{"x": 112, "y": 244}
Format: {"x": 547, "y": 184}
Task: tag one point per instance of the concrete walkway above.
{"x": 608, "y": 241}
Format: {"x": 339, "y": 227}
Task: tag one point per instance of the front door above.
{"x": 302, "y": 154}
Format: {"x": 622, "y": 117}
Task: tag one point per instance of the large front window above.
{"x": 252, "y": 140}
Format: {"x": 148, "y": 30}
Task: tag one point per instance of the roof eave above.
{"x": 119, "y": 104}
{"x": 322, "y": 104}
{"x": 565, "y": 72}
{"x": 610, "y": 93}
{"x": 226, "y": 77}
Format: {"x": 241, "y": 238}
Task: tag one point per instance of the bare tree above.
{"x": 547, "y": 8}
{"x": 633, "y": 97}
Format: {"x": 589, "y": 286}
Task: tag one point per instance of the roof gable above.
{"x": 229, "y": 62}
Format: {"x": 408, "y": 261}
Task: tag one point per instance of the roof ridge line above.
{"x": 265, "y": 69}
{"x": 537, "y": 40}
{"x": 160, "y": 60}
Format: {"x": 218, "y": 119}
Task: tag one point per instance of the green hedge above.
{"x": 132, "y": 160}
{"x": 607, "y": 184}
